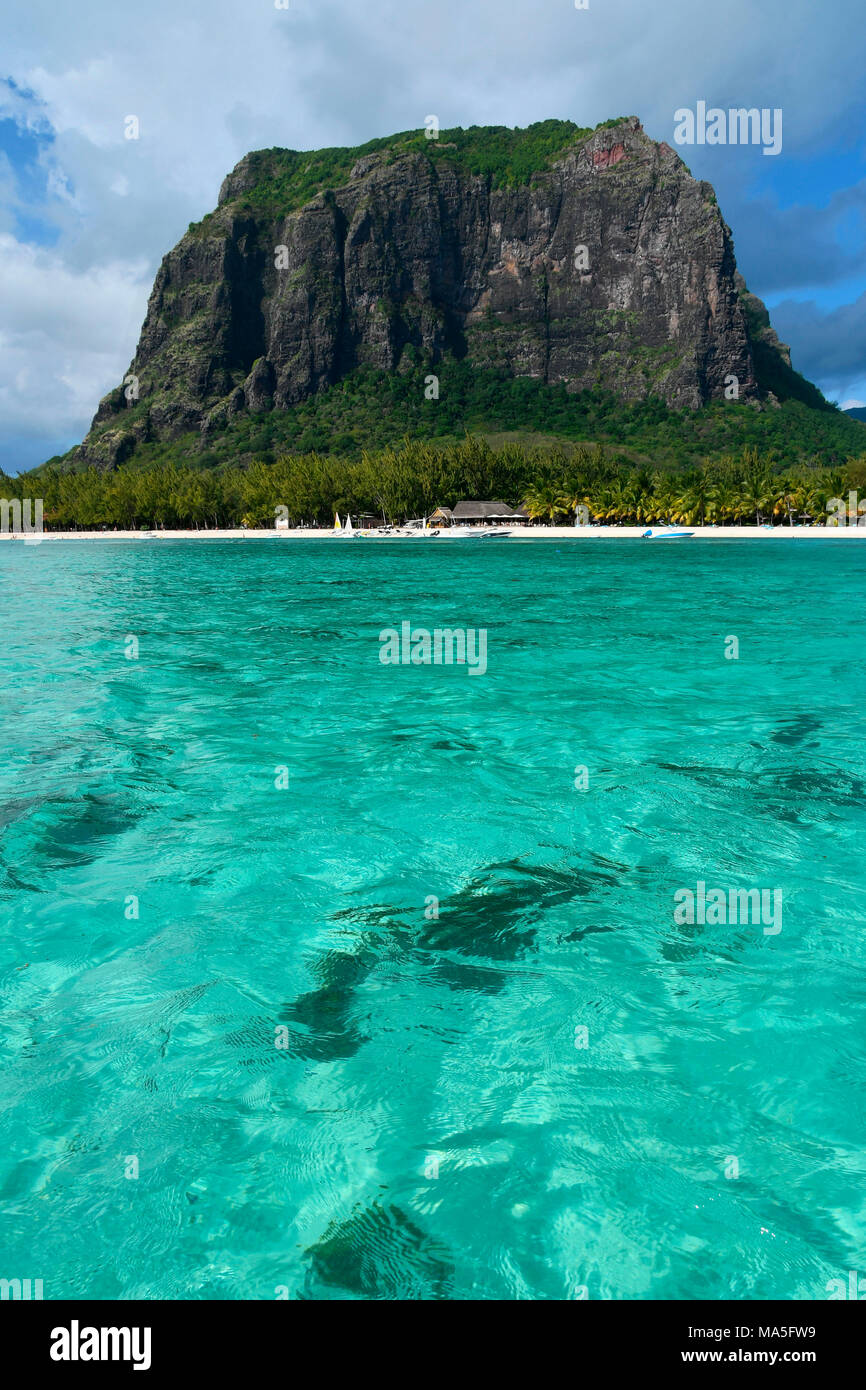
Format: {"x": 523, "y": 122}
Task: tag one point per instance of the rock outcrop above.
{"x": 611, "y": 266}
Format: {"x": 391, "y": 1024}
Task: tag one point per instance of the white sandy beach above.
{"x": 522, "y": 533}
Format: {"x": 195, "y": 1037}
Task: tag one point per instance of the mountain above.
{"x": 582, "y": 261}
{"x": 857, "y": 412}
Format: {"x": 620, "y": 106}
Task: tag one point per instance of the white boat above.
{"x": 666, "y": 535}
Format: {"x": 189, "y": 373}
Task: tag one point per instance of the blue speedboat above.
{"x": 666, "y": 535}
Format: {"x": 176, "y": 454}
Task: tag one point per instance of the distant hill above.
{"x": 857, "y": 412}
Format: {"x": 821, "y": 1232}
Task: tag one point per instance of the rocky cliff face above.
{"x": 610, "y": 267}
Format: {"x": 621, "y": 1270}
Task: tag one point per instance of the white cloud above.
{"x": 64, "y": 335}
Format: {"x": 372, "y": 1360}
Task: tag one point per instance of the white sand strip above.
{"x": 519, "y": 533}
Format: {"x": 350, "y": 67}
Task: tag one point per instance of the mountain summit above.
{"x": 590, "y": 258}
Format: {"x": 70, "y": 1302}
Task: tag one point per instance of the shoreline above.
{"x": 528, "y": 533}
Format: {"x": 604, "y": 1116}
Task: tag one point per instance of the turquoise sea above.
{"x": 431, "y": 1125}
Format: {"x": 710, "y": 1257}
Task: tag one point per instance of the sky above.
{"x": 86, "y": 214}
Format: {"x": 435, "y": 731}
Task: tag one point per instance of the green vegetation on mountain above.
{"x": 370, "y": 409}
{"x": 285, "y": 180}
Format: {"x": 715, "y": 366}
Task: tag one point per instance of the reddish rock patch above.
{"x": 603, "y": 159}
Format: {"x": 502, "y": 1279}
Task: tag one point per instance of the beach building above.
{"x": 475, "y": 513}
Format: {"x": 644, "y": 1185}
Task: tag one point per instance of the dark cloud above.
{"x": 788, "y": 248}
{"x": 830, "y": 344}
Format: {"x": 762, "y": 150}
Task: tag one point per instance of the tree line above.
{"x": 414, "y": 477}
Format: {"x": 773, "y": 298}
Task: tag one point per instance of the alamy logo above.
{"x": 75, "y": 1343}
{"x": 418, "y": 646}
{"x": 714, "y": 907}
{"x": 852, "y": 514}
{"x": 22, "y": 1289}
{"x": 856, "y": 1289}
{"x": 24, "y": 519}
{"x": 736, "y": 126}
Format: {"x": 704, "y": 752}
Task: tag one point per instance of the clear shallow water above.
{"x": 413, "y": 1040}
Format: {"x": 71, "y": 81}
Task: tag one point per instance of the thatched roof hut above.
{"x": 482, "y": 511}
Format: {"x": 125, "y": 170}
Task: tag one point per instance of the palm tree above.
{"x": 635, "y": 500}
{"x": 814, "y": 503}
{"x": 544, "y": 502}
{"x": 663, "y": 502}
{"x": 790, "y": 496}
{"x": 724, "y": 503}
{"x": 621, "y": 501}
{"x": 697, "y": 495}
{"x": 756, "y": 496}
{"x": 602, "y": 502}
